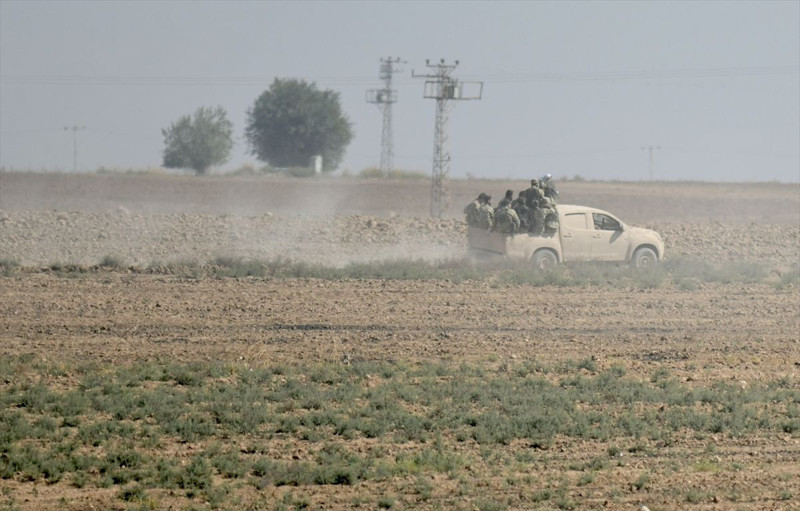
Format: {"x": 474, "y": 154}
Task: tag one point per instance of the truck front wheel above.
{"x": 644, "y": 257}
{"x": 545, "y": 259}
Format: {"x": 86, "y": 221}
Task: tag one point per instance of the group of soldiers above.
{"x": 533, "y": 211}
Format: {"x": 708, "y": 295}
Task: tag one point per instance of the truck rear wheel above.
{"x": 545, "y": 259}
{"x": 644, "y": 257}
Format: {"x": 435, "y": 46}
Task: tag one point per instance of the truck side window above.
{"x": 605, "y": 222}
{"x": 576, "y": 221}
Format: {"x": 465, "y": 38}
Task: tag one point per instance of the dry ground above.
{"x": 744, "y": 334}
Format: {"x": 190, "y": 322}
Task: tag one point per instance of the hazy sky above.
{"x": 570, "y": 87}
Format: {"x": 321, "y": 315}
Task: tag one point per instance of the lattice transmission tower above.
{"x": 442, "y": 87}
{"x": 384, "y": 98}
{"x": 74, "y": 130}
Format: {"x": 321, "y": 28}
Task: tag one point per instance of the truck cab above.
{"x": 584, "y": 234}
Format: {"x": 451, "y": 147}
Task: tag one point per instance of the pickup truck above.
{"x": 583, "y": 234}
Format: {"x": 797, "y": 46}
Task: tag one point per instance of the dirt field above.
{"x": 743, "y": 337}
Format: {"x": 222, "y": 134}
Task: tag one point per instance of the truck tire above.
{"x": 644, "y": 257}
{"x": 544, "y": 259}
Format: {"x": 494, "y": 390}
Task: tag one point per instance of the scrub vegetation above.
{"x": 215, "y": 434}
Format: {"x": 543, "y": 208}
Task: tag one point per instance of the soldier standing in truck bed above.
{"x": 549, "y": 188}
{"x": 507, "y": 199}
{"x": 506, "y": 220}
{"x": 533, "y": 194}
{"x": 523, "y": 212}
{"x": 533, "y": 198}
{"x": 471, "y": 211}
{"x": 486, "y": 213}
{"x": 550, "y": 216}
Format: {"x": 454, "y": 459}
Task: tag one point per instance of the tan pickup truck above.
{"x": 584, "y": 234}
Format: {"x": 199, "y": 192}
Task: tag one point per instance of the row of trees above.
{"x": 288, "y": 124}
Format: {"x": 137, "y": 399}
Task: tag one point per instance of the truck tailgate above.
{"x": 486, "y": 241}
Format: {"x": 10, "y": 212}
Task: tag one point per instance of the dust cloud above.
{"x": 144, "y": 220}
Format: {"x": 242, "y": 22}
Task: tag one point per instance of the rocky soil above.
{"x": 40, "y": 238}
{"x": 144, "y": 220}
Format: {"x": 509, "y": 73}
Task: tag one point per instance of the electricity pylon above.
{"x": 651, "y": 167}
{"x": 442, "y": 87}
{"x": 384, "y": 98}
{"x": 74, "y": 130}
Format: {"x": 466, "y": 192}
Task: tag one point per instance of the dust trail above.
{"x": 40, "y": 238}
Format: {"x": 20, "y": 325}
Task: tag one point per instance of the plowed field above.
{"x": 712, "y": 422}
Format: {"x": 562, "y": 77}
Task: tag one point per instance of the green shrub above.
{"x": 642, "y": 482}
{"x": 110, "y": 261}
{"x": 9, "y": 267}
{"x": 196, "y": 475}
{"x": 134, "y": 493}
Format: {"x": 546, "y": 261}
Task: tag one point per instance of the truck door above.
{"x": 609, "y": 240}
{"x": 576, "y": 237}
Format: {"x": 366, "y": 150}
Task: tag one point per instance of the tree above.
{"x": 293, "y": 121}
{"x": 198, "y": 142}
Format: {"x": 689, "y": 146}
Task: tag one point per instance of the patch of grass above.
{"x": 111, "y": 262}
{"x": 386, "y": 502}
{"x": 687, "y": 283}
{"x": 238, "y": 268}
{"x": 9, "y": 267}
{"x": 684, "y": 273}
{"x": 695, "y": 496}
{"x": 642, "y": 482}
{"x": 108, "y": 427}
{"x": 133, "y": 493}
{"x": 688, "y": 272}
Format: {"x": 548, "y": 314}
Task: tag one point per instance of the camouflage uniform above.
{"x": 506, "y": 220}
{"x": 550, "y": 216}
{"x": 549, "y": 188}
{"x": 533, "y": 194}
{"x": 523, "y": 212}
{"x": 533, "y": 197}
{"x": 507, "y": 199}
{"x": 537, "y": 221}
{"x": 471, "y": 211}
{"x": 485, "y": 217}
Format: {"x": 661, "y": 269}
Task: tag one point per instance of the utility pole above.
{"x": 442, "y": 87}
{"x": 74, "y": 130}
{"x": 384, "y": 98}
{"x": 651, "y": 153}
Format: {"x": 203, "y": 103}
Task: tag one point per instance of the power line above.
{"x": 252, "y": 80}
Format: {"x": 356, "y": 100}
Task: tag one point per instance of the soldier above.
{"x": 507, "y": 199}
{"x": 523, "y": 212}
{"x": 533, "y": 194}
{"x": 537, "y": 219}
{"x": 533, "y": 198}
{"x": 471, "y": 211}
{"x": 485, "y": 216}
{"x": 549, "y": 187}
{"x": 506, "y": 220}
{"x": 550, "y": 216}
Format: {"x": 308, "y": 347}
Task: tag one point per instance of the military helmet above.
{"x": 482, "y": 196}
{"x": 534, "y": 181}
